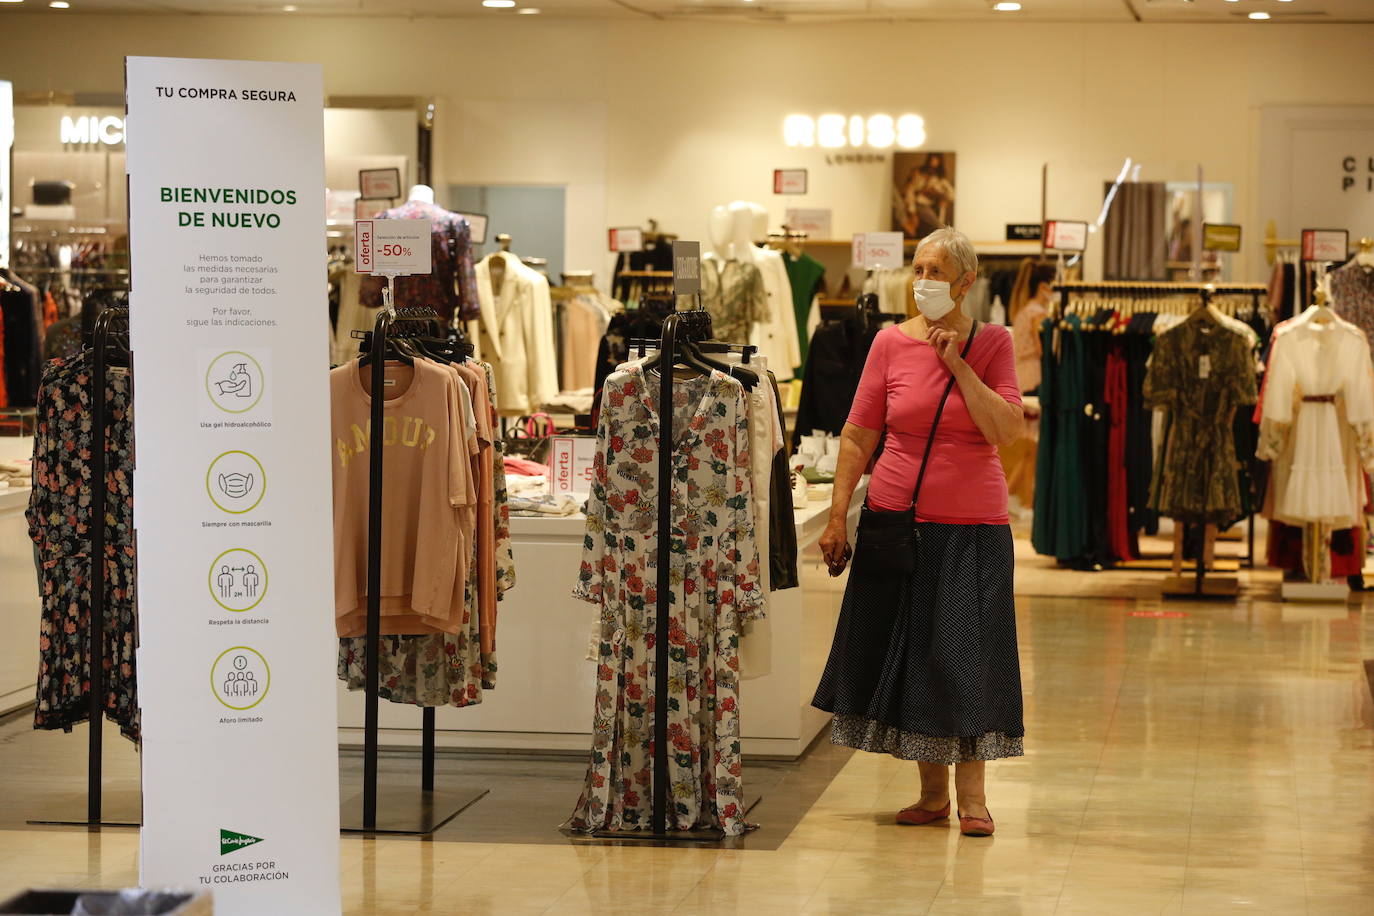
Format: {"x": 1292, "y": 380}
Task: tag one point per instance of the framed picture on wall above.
{"x": 922, "y": 193}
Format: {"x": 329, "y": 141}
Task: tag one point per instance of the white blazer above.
{"x": 777, "y": 338}
{"x": 515, "y": 334}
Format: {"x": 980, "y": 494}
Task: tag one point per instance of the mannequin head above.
{"x": 720, "y": 229}
{"x": 421, "y": 193}
{"x": 744, "y": 229}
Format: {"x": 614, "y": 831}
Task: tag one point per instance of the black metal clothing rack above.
{"x": 111, "y": 328}
{"x": 405, "y": 812}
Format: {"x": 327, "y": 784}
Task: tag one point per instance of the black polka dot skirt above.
{"x": 924, "y": 667}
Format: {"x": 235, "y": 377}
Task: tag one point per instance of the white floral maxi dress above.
{"x": 716, "y": 587}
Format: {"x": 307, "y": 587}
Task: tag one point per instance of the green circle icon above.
{"x": 238, "y": 579}
{"x": 239, "y": 383}
{"x": 236, "y": 482}
{"x": 243, "y": 681}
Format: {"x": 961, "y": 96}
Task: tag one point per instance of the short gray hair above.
{"x": 956, "y": 245}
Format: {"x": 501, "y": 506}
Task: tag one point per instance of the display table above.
{"x": 19, "y": 605}
{"x": 544, "y": 697}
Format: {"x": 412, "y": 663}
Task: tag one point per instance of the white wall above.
{"x": 662, "y": 119}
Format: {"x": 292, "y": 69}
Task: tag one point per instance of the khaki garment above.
{"x": 484, "y": 472}
{"x": 426, "y": 481}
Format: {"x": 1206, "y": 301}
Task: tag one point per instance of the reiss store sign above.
{"x": 837, "y": 131}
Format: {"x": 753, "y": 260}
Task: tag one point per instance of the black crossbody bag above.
{"x": 888, "y": 540}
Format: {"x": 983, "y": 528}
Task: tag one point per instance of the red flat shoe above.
{"x": 976, "y": 826}
{"x": 915, "y": 817}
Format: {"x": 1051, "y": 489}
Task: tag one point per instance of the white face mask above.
{"x": 933, "y": 298}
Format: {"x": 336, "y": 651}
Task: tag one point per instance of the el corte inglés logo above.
{"x": 229, "y": 841}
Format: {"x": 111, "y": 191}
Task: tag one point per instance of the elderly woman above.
{"x": 924, "y": 664}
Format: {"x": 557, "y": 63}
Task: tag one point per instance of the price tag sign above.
{"x": 815, "y": 223}
{"x": 392, "y": 247}
{"x": 1066, "y": 235}
{"x": 477, "y": 225}
{"x": 380, "y": 183}
{"x": 686, "y": 268}
{"x": 878, "y": 250}
{"x": 789, "y": 181}
{"x": 1220, "y": 237}
{"x": 570, "y": 462}
{"x": 627, "y": 239}
{"x": 1325, "y": 244}
{"x": 1024, "y": 232}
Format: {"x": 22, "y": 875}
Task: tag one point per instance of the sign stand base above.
{"x": 409, "y": 811}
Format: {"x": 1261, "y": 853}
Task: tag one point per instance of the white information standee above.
{"x": 233, "y": 507}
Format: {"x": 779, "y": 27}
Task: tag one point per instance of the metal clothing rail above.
{"x": 111, "y": 329}
{"x": 404, "y": 811}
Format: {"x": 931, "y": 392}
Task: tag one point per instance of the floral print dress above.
{"x": 716, "y": 588}
{"x": 59, "y": 517}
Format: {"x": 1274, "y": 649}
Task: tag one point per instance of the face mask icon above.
{"x": 236, "y": 486}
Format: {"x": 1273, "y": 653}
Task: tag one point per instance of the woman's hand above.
{"x": 835, "y": 547}
{"x": 946, "y": 344}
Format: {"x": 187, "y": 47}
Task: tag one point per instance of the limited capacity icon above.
{"x": 238, "y": 580}
{"x": 240, "y": 677}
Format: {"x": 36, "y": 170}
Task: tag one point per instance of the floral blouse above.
{"x": 59, "y": 517}
{"x": 716, "y": 588}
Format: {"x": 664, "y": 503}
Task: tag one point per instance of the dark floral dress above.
{"x": 716, "y": 588}
{"x": 59, "y": 517}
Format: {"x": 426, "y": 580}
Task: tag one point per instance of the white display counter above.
{"x": 544, "y": 697}
{"x": 19, "y": 604}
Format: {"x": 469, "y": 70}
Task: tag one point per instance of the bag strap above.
{"x": 930, "y": 441}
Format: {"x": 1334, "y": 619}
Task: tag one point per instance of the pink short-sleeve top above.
{"x": 899, "y": 392}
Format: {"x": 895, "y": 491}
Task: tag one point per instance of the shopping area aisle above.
{"x": 1182, "y": 758}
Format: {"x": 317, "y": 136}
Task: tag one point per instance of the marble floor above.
{"x": 1181, "y": 758}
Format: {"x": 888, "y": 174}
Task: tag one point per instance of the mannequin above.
{"x": 720, "y": 230}
{"x": 776, "y": 333}
{"x": 421, "y": 193}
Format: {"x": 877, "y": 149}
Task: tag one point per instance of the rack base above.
{"x": 408, "y": 811}
{"x": 1214, "y": 588}
{"x": 118, "y": 809}
{"x": 1315, "y": 591}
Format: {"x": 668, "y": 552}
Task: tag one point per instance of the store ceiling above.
{"x": 1146, "y": 11}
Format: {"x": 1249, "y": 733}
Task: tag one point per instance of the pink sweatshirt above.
{"x": 899, "y": 392}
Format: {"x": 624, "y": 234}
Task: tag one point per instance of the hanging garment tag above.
{"x": 1204, "y": 366}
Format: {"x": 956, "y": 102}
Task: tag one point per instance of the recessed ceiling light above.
{"x": 529, "y": 11}
{"x": 289, "y": 9}
{"x": 60, "y": 5}
{"x": 498, "y": 4}
{"x": 1007, "y": 7}
{"x": 1259, "y": 17}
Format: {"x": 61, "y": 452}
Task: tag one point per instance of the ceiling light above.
{"x": 60, "y": 5}
{"x": 1259, "y": 17}
{"x": 289, "y": 9}
{"x": 498, "y": 4}
{"x": 1007, "y": 7}
{"x": 529, "y": 11}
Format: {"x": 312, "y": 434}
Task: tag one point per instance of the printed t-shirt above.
{"x": 899, "y": 393}
{"x": 424, "y": 483}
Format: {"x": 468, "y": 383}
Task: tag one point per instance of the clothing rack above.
{"x": 405, "y": 813}
{"x": 693, "y": 326}
{"x": 111, "y": 330}
{"x": 1112, "y": 307}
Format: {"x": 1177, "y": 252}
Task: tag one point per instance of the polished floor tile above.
{"x": 1220, "y": 761}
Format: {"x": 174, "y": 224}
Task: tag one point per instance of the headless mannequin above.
{"x": 720, "y": 229}
{"x": 421, "y": 193}
{"x": 745, "y": 230}
{"x": 497, "y": 265}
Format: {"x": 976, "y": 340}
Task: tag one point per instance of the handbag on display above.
{"x": 887, "y": 540}
{"x": 528, "y": 437}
